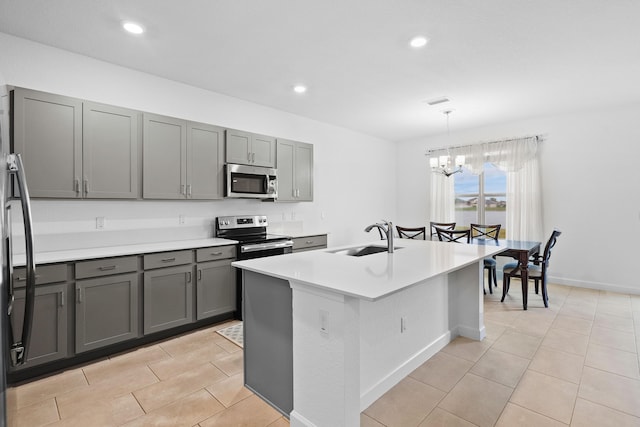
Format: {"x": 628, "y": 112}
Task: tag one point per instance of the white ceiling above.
{"x": 497, "y": 60}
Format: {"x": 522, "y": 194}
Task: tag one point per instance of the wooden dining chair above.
{"x": 446, "y": 225}
{"x": 455, "y": 236}
{"x": 537, "y": 271}
{"x": 484, "y": 231}
{"x": 412, "y": 232}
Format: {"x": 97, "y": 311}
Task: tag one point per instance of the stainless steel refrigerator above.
{"x": 14, "y": 348}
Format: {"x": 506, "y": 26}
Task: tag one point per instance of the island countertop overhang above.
{"x": 375, "y": 276}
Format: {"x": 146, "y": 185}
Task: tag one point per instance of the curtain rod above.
{"x": 539, "y": 138}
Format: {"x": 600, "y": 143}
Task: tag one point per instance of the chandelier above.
{"x": 443, "y": 164}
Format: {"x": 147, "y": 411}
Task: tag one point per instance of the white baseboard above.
{"x": 394, "y": 377}
{"x": 595, "y": 285}
{"x": 297, "y": 420}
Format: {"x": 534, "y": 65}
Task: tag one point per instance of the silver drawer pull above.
{"x": 22, "y": 279}
{"x": 61, "y": 299}
{"x": 107, "y": 268}
{"x": 168, "y": 259}
{"x": 216, "y": 253}
{"x": 308, "y": 242}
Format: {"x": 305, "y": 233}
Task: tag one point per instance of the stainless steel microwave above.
{"x": 254, "y": 182}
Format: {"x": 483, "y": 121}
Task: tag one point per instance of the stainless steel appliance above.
{"x": 254, "y": 182}
{"x": 14, "y": 349}
{"x": 254, "y": 242}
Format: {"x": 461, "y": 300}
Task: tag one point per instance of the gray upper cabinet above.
{"x": 181, "y": 160}
{"x": 76, "y": 149}
{"x": 295, "y": 171}
{"x": 109, "y": 151}
{"x": 48, "y": 134}
{"x": 205, "y": 161}
{"x": 164, "y": 153}
{"x": 247, "y": 148}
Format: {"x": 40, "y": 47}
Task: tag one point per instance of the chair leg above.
{"x": 495, "y": 276}
{"x": 489, "y": 273}
{"x": 536, "y": 281}
{"x": 505, "y": 286}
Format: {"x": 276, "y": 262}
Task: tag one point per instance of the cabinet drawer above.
{"x": 215, "y": 253}
{"x": 316, "y": 242}
{"x": 44, "y": 274}
{"x": 106, "y": 266}
{"x": 167, "y": 259}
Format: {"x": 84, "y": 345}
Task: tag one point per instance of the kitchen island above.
{"x": 346, "y": 329}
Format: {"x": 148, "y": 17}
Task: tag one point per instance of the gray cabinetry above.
{"x": 110, "y": 138}
{"x": 247, "y": 148}
{"x": 49, "y": 336}
{"x": 181, "y": 160}
{"x": 106, "y": 302}
{"x": 308, "y": 243}
{"x": 216, "y": 282}
{"x": 76, "y": 149}
{"x": 168, "y": 290}
{"x": 48, "y": 133}
{"x": 295, "y": 171}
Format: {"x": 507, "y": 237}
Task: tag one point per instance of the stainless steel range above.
{"x": 254, "y": 242}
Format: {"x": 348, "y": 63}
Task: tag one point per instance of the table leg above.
{"x": 524, "y": 277}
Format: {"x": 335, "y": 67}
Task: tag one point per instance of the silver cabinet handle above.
{"x": 168, "y": 259}
{"x": 216, "y": 253}
{"x": 76, "y": 184}
{"x": 188, "y": 277}
{"x": 86, "y": 186}
{"x": 61, "y": 299}
{"x": 199, "y": 274}
{"x": 309, "y": 242}
{"x": 189, "y": 190}
{"x": 79, "y": 295}
{"x": 248, "y": 157}
{"x": 107, "y": 268}
{"x": 182, "y": 189}
{"x": 253, "y": 157}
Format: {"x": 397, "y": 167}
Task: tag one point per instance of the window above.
{"x": 481, "y": 198}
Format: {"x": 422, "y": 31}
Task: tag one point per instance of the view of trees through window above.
{"x": 481, "y": 199}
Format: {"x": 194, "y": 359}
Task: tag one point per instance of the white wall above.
{"x": 347, "y": 164}
{"x": 589, "y": 164}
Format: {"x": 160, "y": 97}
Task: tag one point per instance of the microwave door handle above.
{"x": 266, "y": 184}
{"x": 19, "y": 349}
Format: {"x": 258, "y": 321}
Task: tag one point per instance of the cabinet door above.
{"x": 286, "y": 153}
{"x": 205, "y": 161}
{"x": 164, "y": 157}
{"x": 48, "y": 133}
{"x": 238, "y": 147}
{"x": 106, "y": 311}
{"x": 263, "y": 151}
{"x": 168, "y": 298}
{"x": 109, "y": 152}
{"x": 215, "y": 289}
{"x": 49, "y": 331}
{"x": 303, "y": 169}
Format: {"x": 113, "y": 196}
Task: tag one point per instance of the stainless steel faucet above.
{"x": 387, "y": 229}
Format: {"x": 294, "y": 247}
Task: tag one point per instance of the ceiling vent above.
{"x": 437, "y": 101}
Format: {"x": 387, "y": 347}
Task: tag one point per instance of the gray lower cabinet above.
{"x": 215, "y": 288}
{"x": 75, "y": 149}
{"x": 168, "y": 298}
{"x": 295, "y": 171}
{"x": 106, "y": 310}
{"x": 246, "y": 148}
{"x": 309, "y": 243}
{"x": 50, "y": 331}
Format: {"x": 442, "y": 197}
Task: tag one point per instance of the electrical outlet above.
{"x": 180, "y": 219}
{"x": 403, "y": 324}
{"x": 99, "y": 222}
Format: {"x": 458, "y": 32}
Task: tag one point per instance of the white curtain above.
{"x": 442, "y": 206}
{"x": 518, "y": 158}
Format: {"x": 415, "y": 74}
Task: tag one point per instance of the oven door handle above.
{"x": 266, "y": 246}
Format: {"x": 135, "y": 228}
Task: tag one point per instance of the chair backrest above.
{"x": 546, "y": 255}
{"x": 456, "y": 236}
{"x": 445, "y": 225}
{"x": 485, "y": 231}
{"x": 412, "y": 232}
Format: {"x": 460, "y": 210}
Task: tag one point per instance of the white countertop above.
{"x": 372, "y": 276}
{"x": 111, "y": 251}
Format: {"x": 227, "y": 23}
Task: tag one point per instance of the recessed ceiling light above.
{"x": 418, "y": 41}
{"x": 133, "y": 27}
{"x": 299, "y": 89}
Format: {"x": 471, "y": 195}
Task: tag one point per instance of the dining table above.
{"x": 520, "y": 250}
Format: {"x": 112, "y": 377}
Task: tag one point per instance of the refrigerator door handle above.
{"x": 19, "y": 348}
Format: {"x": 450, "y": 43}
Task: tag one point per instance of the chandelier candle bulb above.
{"x": 459, "y": 161}
{"x": 444, "y": 161}
{"x": 433, "y": 162}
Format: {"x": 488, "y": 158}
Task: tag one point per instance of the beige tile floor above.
{"x": 574, "y": 363}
